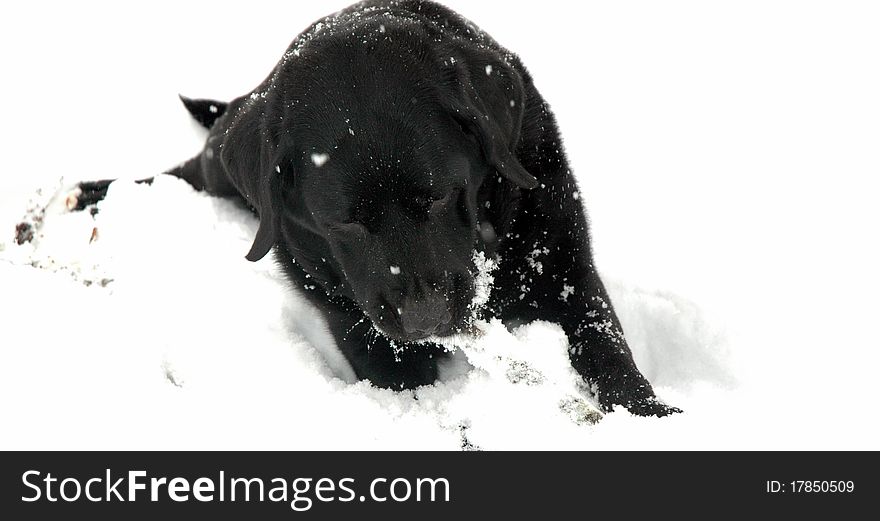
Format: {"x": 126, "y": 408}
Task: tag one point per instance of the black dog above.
{"x": 392, "y": 141}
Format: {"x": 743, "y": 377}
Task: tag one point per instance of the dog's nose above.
{"x": 425, "y": 316}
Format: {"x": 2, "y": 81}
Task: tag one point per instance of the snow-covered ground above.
{"x": 729, "y": 157}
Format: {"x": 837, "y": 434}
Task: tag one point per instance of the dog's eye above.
{"x": 422, "y": 203}
{"x": 349, "y": 230}
{"x": 466, "y": 131}
{"x": 438, "y": 206}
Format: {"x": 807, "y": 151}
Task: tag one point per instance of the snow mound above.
{"x": 143, "y": 327}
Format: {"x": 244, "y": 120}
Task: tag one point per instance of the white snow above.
{"x": 395, "y": 270}
{"x": 566, "y": 292}
{"x": 483, "y": 280}
{"x": 320, "y": 159}
{"x": 731, "y": 188}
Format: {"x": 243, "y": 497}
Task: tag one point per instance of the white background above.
{"x": 728, "y": 152}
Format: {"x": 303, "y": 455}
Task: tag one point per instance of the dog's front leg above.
{"x": 598, "y": 349}
{"x": 566, "y": 289}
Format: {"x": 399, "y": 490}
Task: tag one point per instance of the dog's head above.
{"x": 373, "y": 148}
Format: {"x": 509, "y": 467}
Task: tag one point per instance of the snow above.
{"x": 395, "y": 270}
{"x": 320, "y": 159}
{"x": 483, "y": 280}
{"x": 566, "y": 292}
{"x": 731, "y": 186}
{"x": 166, "y": 340}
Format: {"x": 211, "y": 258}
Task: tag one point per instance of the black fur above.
{"x": 391, "y": 141}
{"x": 205, "y": 111}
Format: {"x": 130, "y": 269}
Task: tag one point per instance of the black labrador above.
{"x": 392, "y": 141}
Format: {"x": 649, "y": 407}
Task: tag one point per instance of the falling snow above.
{"x": 567, "y": 291}
{"x": 320, "y": 159}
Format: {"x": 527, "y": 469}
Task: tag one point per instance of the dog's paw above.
{"x": 651, "y": 407}
{"x": 87, "y": 193}
{"x": 639, "y": 401}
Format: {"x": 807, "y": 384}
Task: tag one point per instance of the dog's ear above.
{"x": 254, "y": 160}
{"x": 270, "y": 210}
{"x": 488, "y": 100}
